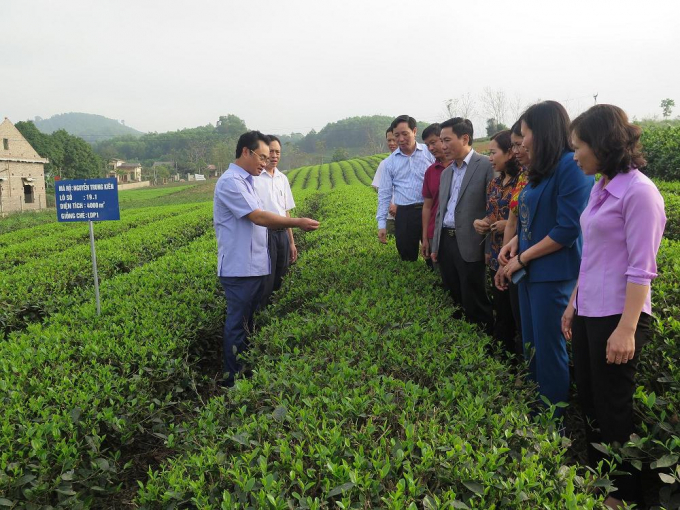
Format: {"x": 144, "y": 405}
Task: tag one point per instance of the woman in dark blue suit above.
{"x": 548, "y": 244}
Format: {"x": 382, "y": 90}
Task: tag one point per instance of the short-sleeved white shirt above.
{"x": 376, "y": 183}
{"x": 274, "y": 191}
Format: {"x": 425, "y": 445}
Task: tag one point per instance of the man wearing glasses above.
{"x": 243, "y": 262}
{"x": 273, "y": 188}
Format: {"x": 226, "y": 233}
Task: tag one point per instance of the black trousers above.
{"x": 504, "y": 328}
{"x": 605, "y": 391}
{"x": 279, "y": 255}
{"x": 466, "y": 282}
{"x": 408, "y": 230}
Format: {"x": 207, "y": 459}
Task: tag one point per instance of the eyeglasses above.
{"x": 263, "y": 158}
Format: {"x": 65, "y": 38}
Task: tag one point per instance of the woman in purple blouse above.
{"x": 609, "y": 313}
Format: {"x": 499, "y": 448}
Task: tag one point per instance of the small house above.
{"x": 22, "y": 172}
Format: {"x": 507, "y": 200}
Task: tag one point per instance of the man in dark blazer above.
{"x": 456, "y": 246}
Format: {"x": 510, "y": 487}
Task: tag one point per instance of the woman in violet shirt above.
{"x": 609, "y": 313}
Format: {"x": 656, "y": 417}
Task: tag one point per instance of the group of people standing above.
{"x": 570, "y": 258}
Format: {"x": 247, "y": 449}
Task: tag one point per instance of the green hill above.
{"x": 92, "y": 128}
{"x": 357, "y": 134}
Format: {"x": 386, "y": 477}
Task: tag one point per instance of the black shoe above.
{"x": 226, "y": 383}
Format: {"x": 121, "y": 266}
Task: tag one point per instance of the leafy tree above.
{"x": 159, "y": 174}
{"x": 79, "y": 161}
{"x": 70, "y": 157}
{"x": 667, "y": 106}
{"x": 341, "y": 154}
{"x": 231, "y": 125}
{"x": 222, "y": 154}
{"x": 292, "y": 156}
{"x": 493, "y": 127}
{"x": 42, "y": 144}
{"x": 321, "y": 148}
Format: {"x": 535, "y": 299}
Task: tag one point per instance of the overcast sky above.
{"x": 285, "y": 66}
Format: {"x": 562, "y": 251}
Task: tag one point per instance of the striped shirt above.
{"x": 403, "y": 175}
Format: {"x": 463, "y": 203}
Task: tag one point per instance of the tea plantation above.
{"x": 366, "y": 391}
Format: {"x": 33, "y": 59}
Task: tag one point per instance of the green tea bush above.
{"x": 368, "y": 168}
{"x": 293, "y": 175}
{"x": 661, "y": 147}
{"x": 361, "y": 172}
{"x": 657, "y": 401}
{"x": 18, "y": 221}
{"x": 325, "y": 184}
{"x": 666, "y": 187}
{"x": 149, "y": 193}
{"x": 348, "y": 173}
{"x": 336, "y": 175}
{"x": 367, "y": 396}
{"x": 672, "y": 206}
{"x": 77, "y": 390}
{"x": 40, "y": 242}
{"x": 42, "y": 286}
{"x": 312, "y": 179}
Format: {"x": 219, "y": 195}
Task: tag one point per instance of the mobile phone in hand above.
{"x": 518, "y": 275}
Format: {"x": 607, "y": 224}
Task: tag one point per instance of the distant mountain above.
{"x": 92, "y": 128}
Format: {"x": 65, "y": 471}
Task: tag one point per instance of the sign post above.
{"x": 88, "y": 200}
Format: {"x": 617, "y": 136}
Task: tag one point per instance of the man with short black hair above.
{"x": 403, "y": 175}
{"x": 431, "y": 187}
{"x": 456, "y": 245}
{"x": 273, "y": 188}
{"x": 242, "y": 255}
{"x": 392, "y": 146}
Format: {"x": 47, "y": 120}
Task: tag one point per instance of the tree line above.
{"x": 192, "y": 150}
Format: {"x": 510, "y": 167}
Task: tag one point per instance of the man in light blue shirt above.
{"x": 403, "y": 175}
{"x": 242, "y": 256}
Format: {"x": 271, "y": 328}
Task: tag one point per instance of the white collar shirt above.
{"x": 274, "y": 191}
{"x": 457, "y": 182}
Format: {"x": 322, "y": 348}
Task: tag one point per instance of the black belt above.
{"x": 410, "y": 206}
{"x": 451, "y": 232}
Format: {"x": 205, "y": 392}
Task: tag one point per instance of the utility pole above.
{"x": 595, "y": 96}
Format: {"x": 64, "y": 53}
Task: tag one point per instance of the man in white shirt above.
{"x": 273, "y": 188}
{"x": 391, "y": 146}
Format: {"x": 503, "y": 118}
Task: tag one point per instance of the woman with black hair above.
{"x": 547, "y": 247}
{"x": 501, "y": 283}
{"x": 609, "y": 314}
{"x": 498, "y": 196}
